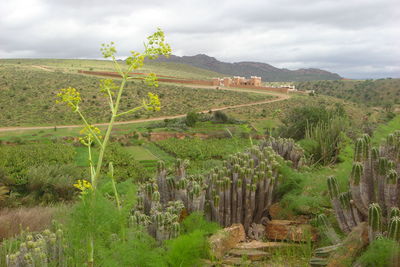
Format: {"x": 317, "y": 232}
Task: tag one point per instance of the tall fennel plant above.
{"x": 154, "y": 47}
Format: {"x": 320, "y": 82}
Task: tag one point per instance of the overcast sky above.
{"x": 355, "y": 38}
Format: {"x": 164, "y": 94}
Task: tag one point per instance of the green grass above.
{"x": 140, "y": 153}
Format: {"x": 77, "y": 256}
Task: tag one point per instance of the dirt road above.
{"x": 280, "y": 97}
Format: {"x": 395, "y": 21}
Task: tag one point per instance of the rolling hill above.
{"x": 267, "y": 72}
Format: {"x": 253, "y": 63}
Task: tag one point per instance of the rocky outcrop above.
{"x": 226, "y": 239}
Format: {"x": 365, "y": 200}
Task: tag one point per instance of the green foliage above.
{"x": 125, "y": 165}
{"x": 16, "y": 160}
{"x": 50, "y": 183}
{"x": 324, "y": 140}
{"x": 197, "y": 221}
{"x": 139, "y": 250}
{"x": 191, "y": 119}
{"x": 220, "y": 117}
{"x": 94, "y": 218}
{"x": 297, "y": 120}
{"x": 380, "y": 253}
{"x": 381, "y": 92}
{"x": 197, "y": 149}
{"x": 187, "y": 250}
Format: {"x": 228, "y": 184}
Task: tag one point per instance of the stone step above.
{"x": 265, "y": 246}
{"x": 235, "y": 261}
{"x": 251, "y": 254}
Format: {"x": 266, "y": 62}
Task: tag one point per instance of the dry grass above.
{"x": 12, "y": 221}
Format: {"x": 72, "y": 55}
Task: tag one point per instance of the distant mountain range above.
{"x": 267, "y": 72}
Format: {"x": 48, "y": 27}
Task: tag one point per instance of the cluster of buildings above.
{"x": 237, "y": 81}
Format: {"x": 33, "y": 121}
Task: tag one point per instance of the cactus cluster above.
{"x": 288, "y": 149}
{"x": 374, "y": 184}
{"x": 238, "y": 192}
{"x": 39, "y": 250}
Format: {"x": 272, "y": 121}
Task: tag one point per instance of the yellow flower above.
{"x": 89, "y": 133}
{"x": 70, "y": 96}
{"x": 108, "y": 85}
{"x": 151, "y": 80}
{"x": 154, "y": 102}
{"x": 83, "y": 186}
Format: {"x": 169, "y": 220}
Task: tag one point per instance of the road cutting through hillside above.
{"x": 280, "y": 97}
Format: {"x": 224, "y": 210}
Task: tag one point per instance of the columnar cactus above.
{"x": 394, "y": 228}
{"x": 374, "y": 188}
{"x": 374, "y": 221}
{"x": 238, "y": 192}
{"x": 286, "y": 148}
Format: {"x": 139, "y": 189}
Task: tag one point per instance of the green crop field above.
{"x": 140, "y": 153}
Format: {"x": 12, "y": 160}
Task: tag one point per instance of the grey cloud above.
{"x": 355, "y": 38}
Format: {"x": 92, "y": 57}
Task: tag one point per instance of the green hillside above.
{"x": 382, "y": 92}
{"x": 28, "y": 94}
{"x": 73, "y": 65}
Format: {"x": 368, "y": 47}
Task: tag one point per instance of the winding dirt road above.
{"x": 280, "y": 97}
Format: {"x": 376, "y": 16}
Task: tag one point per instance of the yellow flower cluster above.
{"x": 70, "y": 96}
{"x": 157, "y": 46}
{"x": 108, "y": 50}
{"x": 89, "y": 133}
{"x": 151, "y": 80}
{"x": 108, "y": 85}
{"x": 154, "y": 102}
{"x": 83, "y": 185}
{"x": 136, "y": 60}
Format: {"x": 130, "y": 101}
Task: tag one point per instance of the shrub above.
{"x": 191, "y": 119}
{"x": 187, "y": 250}
{"x": 220, "y": 117}
{"x": 299, "y": 119}
{"x": 381, "y": 253}
{"x": 323, "y": 140}
{"x": 49, "y": 183}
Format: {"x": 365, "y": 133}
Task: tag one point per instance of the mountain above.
{"x": 267, "y": 72}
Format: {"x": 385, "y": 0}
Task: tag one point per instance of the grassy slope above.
{"x": 369, "y": 92}
{"x": 27, "y": 97}
{"x": 73, "y": 65}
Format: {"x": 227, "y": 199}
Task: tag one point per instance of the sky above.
{"x": 354, "y": 38}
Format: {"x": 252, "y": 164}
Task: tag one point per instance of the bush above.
{"x": 324, "y": 141}
{"x": 220, "y": 117}
{"x": 381, "y": 253}
{"x": 187, "y": 250}
{"x": 299, "y": 119}
{"x": 191, "y": 119}
{"x": 49, "y": 183}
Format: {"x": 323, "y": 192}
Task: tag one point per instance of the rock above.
{"x": 256, "y": 231}
{"x": 275, "y": 210}
{"x": 289, "y": 230}
{"x": 251, "y": 254}
{"x": 226, "y": 239}
{"x": 351, "y": 247}
{"x": 264, "y": 246}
